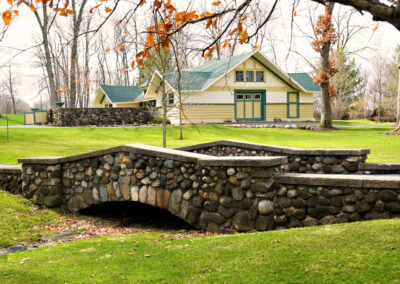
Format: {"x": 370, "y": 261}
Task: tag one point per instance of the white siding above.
{"x": 276, "y": 97}
{"x": 210, "y": 97}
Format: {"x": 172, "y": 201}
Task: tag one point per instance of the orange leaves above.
{"x": 121, "y": 47}
{"x": 294, "y": 14}
{"x": 217, "y": 3}
{"x": 108, "y": 10}
{"x": 324, "y": 31}
{"x": 243, "y": 36}
{"x": 7, "y": 17}
{"x": 94, "y": 8}
{"x": 184, "y": 16}
{"x": 375, "y": 28}
{"x": 140, "y": 62}
{"x": 332, "y": 91}
{"x": 165, "y": 44}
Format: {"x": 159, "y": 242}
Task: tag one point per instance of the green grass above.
{"x": 13, "y": 119}
{"x": 36, "y": 142}
{"x": 19, "y": 219}
{"x": 366, "y": 252}
{"x": 363, "y": 123}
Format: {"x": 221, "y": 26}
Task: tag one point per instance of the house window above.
{"x": 249, "y": 76}
{"x": 171, "y": 99}
{"x": 239, "y": 76}
{"x": 260, "y": 76}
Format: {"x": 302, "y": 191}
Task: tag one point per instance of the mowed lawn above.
{"x": 364, "y": 123}
{"x": 13, "y": 119}
{"x": 34, "y": 142}
{"x": 363, "y": 252}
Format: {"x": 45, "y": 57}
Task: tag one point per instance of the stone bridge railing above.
{"x": 320, "y": 161}
{"x": 212, "y": 193}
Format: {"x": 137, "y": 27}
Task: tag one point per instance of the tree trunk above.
{"x": 44, "y": 28}
{"x": 326, "y": 112}
{"x": 398, "y": 104}
{"x": 77, "y": 20}
{"x": 11, "y": 88}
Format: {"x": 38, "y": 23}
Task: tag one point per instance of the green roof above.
{"x": 123, "y": 94}
{"x": 305, "y": 81}
{"x": 199, "y": 77}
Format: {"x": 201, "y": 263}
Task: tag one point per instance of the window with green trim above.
{"x": 239, "y": 76}
{"x": 260, "y": 76}
{"x": 249, "y": 76}
{"x": 293, "y": 107}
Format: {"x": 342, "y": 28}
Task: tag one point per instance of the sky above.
{"x": 285, "y": 34}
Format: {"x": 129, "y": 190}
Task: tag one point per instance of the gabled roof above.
{"x": 306, "y": 81}
{"x": 123, "y": 94}
{"x": 201, "y": 77}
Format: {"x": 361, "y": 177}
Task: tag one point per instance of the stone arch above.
{"x": 133, "y": 212}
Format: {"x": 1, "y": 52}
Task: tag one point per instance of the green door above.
{"x": 249, "y": 105}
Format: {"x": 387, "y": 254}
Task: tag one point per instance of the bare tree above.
{"x": 45, "y": 22}
{"x": 76, "y": 24}
{"x": 10, "y": 86}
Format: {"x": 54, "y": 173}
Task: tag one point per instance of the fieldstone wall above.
{"x": 335, "y": 161}
{"x": 379, "y": 168}
{"x": 10, "y": 178}
{"x": 310, "y": 200}
{"x": 99, "y": 116}
{"x": 214, "y": 194}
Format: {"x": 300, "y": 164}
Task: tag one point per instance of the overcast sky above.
{"x": 383, "y": 40}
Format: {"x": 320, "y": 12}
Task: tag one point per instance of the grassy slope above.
{"x": 13, "y": 119}
{"x": 68, "y": 141}
{"x": 365, "y": 252}
{"x": 18, "y": 218}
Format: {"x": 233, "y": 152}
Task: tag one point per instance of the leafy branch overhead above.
{"x": 173, "y": 21}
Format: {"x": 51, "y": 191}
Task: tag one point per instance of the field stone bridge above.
{"x": 222, "y": 186}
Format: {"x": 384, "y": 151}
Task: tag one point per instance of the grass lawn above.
{"x": 36, "y": 142}
{"x": 19, "y": 220}
{"x": 13, "y": 119}
{"x": 365, "y": 252}
{"x": 363, "y": 123}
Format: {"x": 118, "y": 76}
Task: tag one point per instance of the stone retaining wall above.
{"x": 212, "y": 193}
{"x": 99, "y": 116}
{"x": 10, "y": 178}
{"x": 320, "y": 161}
{"x": 309, "y": 200}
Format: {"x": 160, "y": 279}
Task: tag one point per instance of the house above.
{"x": 119, "y": 96}
{"x": 246, "y": 87}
